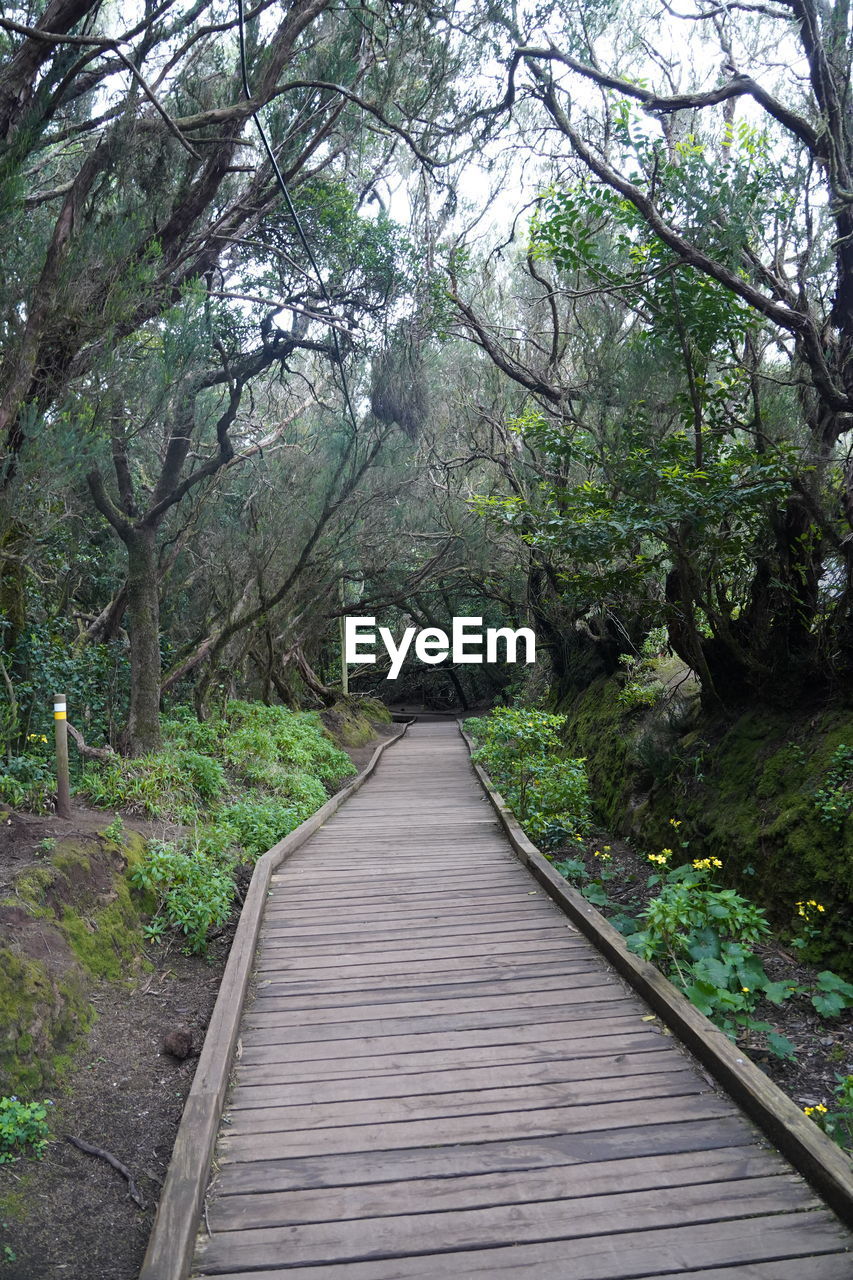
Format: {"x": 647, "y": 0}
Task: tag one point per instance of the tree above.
{"x": 713, "y": 210}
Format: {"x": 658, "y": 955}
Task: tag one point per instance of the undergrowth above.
{"x": 525, "y": 758}
{"x": 239, "y": 782}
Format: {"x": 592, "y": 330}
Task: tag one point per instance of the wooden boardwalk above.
{"x": 439, "y": 1077}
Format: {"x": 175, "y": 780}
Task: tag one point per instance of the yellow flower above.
{"x": 745, "y": 989}
{"x": 658, "y": 858}
{"x": 675, "y": 822}
{"x": 820, "y": 1109}
{"x": 705, "y": 864}
{"x": 607, "y": 848}
{"x": 667, "y": 853}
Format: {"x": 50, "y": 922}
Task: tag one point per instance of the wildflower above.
{"x": 607, "y": 848}
{"x": 658, "y": 858}
{"x": 605, "y": 857}
{"x": 705, "y": 864}
{"x": 667, "y": 853}
{"x": 675, "y": 822}
{"x": 745, "y": 990}
{"x": 820, "y": 1109}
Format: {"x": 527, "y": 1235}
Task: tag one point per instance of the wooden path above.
{"x": 439, "y": 1077}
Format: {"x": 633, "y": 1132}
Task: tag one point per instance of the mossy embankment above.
{"x": 744, "y": 789}
{"x": 67, "y": 921}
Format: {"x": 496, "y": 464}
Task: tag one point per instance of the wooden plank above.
{"x": 549, "y": 1121}
{"x": 659, "y": 1252}
{"x": 266, "y": 1064}
{"x": 522, "y": 945}
{"x": 603, "y": 1003}
{"x": 357, "y": 1046}
{"x": 276, "y": 1113}
{"x": 398, "y": 1085}
{"x": 431, "y": 1195}
{"x": 436, "y": 967}
{"x": 419, "y": 923}
{"x": 285, "y": 1012}
{"x": 501, "y": 976}
{"x": 643, "y": 1142}
{"x": 439, "y": 936}
{"x": 348, "y": 992}
{"x": 390, "y": 1237}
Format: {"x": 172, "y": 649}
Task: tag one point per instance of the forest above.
{"x": 418, "y": 310}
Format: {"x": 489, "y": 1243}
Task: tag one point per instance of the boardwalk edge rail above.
{"x": 808, "y": 1149}
{"x": 171, "y": 1243}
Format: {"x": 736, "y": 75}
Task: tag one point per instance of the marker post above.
{"x": 60, "y": 724}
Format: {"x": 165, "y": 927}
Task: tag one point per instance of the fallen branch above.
{"x": 110, "y": 1159}
{"x": 90, "y": 753}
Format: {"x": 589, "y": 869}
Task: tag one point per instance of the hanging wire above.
{"x": 294, "y": 216}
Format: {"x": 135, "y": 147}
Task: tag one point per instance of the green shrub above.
{"x": 194, "y": 891}
{"x": 524, "y": 756}
{"x": 258, "y": 824}
{"x": 834, "y": 800}
{"x": 22, "y": 1125}
{"x": 29, "y": 781}
{"x": 173, "y": 783}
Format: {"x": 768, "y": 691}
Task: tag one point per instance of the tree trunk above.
{"x": 143, "y": 608}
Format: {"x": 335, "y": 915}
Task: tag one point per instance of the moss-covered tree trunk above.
{"x": 143, "y": 607}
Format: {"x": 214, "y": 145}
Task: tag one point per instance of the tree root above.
{"x": 90, "y": 1150}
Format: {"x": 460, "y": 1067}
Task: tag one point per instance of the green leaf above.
{"x": 781, "y": 1046}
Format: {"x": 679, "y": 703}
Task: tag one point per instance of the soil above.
{"x": 824, "y": 1047}
{"x": 70, "y": 1215}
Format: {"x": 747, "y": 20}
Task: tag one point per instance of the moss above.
{"x": 89, "y": 928}
{"x": 351, "y": 722}
{"x": 596, "y": 731}
{"x": 374, "y": 710}
{"x": 30, "y": 888}
{"x": 106, "y": 944}
{"x": 743, "y": 791}
{"x": 42, "y": 1014}
{"x": 16, "y": 1203}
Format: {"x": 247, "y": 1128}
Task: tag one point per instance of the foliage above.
{"x": 523, "y": 754}
{"x": 44, "y": 660}
{"x": 174, "y": 783}
{"x": 22, "y": 1125}
{"x": 258, "y": 823}
{"x": 704, "y": 935}
{"x": 28, "y": 782}
{"x": 593, "y": 886}
{"x": 241, "y": 781}
{"x": 834, "y": 800}
{"x": 836, "y": 1120}
{"x": 832, "y": 994}
{"x": 193, "y": 890}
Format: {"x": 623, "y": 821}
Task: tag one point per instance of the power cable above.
{"x": 291, "y": 209}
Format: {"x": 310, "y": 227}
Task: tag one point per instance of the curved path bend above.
{"x": 439, "y": 1077}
